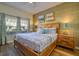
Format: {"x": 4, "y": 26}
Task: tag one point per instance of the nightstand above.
{"x": 66, "y": 41}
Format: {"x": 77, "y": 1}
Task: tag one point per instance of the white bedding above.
{"x": 36, "y": 41}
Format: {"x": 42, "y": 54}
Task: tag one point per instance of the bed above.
{"x": 36, "y": 44}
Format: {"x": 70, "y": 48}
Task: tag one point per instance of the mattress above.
{"x": 36, "y": 41}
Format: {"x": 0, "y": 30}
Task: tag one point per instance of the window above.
{"x": 11, "y": 23}
{"x": 15, "y": 24}
{"x": 24, "y": 23}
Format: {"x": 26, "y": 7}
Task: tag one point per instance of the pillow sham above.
{"x": 46, "y": 30}
{"x": 49, "y": 31}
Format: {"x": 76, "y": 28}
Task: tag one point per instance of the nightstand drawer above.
{"x": 66, "y": 41}
{"x": 66, "y": 44}
{"x": 69, "y": 42}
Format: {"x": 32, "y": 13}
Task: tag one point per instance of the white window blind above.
{"x": 11, "y": 23}
{"x": 24, "y": 24}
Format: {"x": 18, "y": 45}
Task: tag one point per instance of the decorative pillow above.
{"x": 44, "y": 31}
{"x": 49, "y": 31}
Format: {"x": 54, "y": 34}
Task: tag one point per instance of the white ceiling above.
{"x": 32, "y": 8}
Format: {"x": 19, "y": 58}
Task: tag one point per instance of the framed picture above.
{"x": 49, "y": 17}
{"x": 41, "y": 19}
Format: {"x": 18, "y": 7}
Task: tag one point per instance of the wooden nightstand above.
{"x": 66, "y": 41}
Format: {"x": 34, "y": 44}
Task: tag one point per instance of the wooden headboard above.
{"x": 52, "y": 25}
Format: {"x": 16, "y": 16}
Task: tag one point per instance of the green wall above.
{"x": 65, "y": 13}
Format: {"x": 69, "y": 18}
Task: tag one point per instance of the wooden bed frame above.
{"x": 46, "y": 52}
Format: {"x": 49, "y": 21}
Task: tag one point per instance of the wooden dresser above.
{"x": 66, "y": 41}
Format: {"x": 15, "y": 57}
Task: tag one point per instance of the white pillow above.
{"x": 52, "y": 30}
{"x": 39, "y": 30}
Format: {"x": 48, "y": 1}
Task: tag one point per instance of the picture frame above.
{"x": 49, "y": 17}
{"x": 41, "y": 19}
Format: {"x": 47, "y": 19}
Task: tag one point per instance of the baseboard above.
{"x": 77, "y": 48}
{"x": 10, "y": 42}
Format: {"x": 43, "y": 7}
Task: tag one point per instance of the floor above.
{"x": 9, "y": 50}
{"x": 60, "y": 51}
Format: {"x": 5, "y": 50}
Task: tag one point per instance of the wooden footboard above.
{"x": 26, "y": 50}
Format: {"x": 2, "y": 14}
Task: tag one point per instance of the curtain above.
{"x": 0, "y": 30}
{"x": 18, "y": 25}
{"x": 3, "y": 28}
